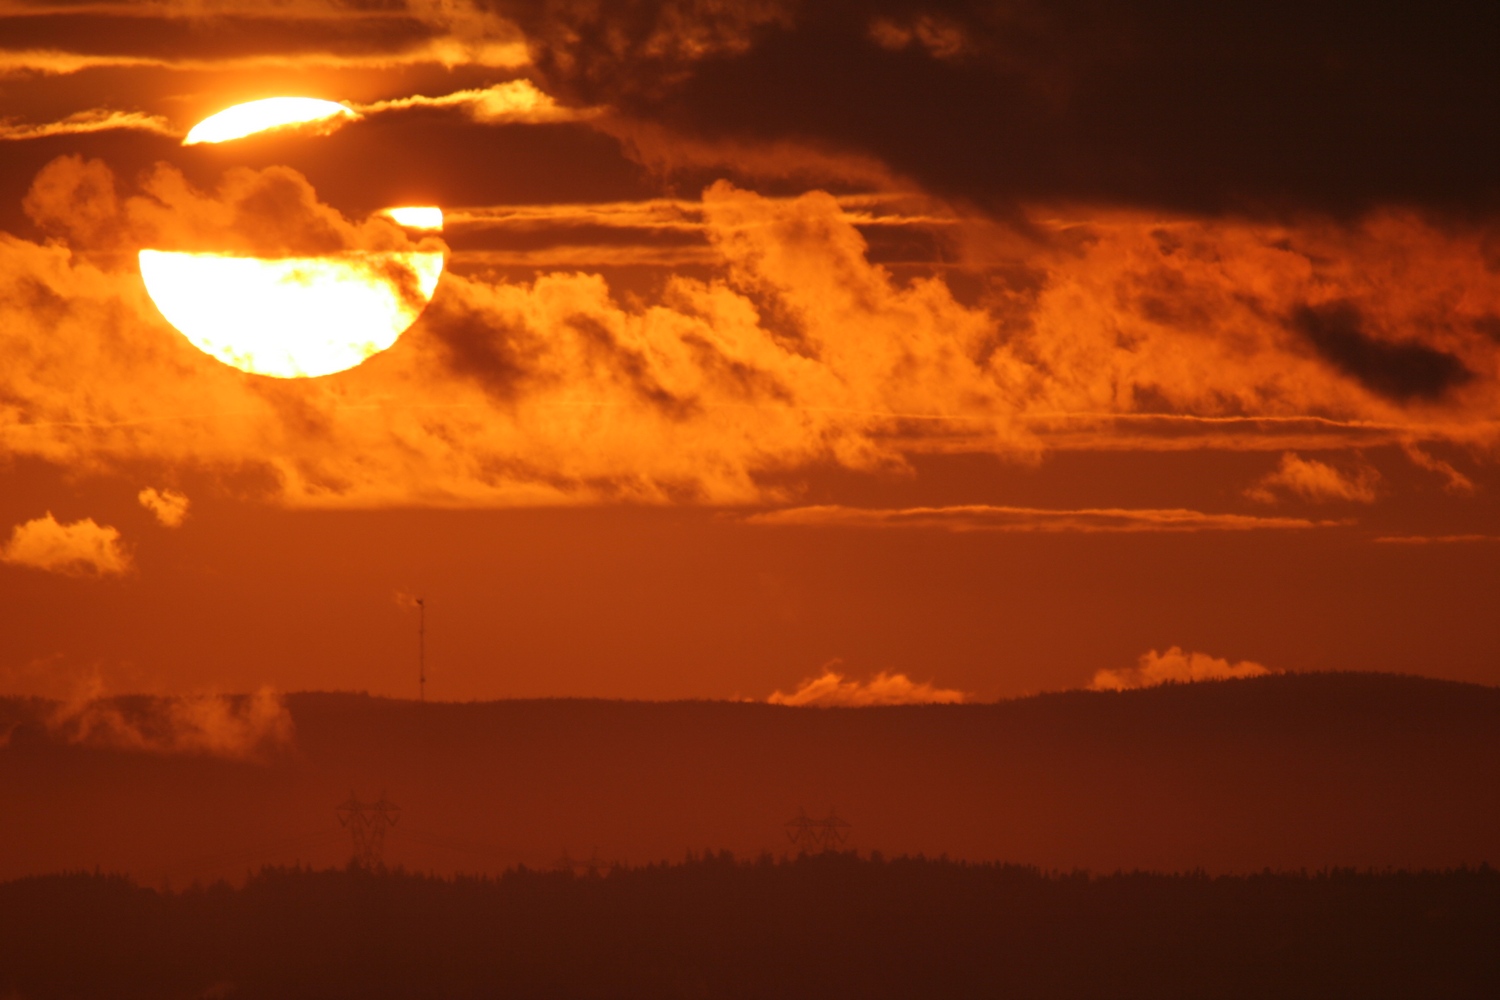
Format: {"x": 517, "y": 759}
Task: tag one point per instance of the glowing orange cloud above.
{"x": 795, "y": 352}
{"x": 1175, "y": 667}
{"x": 831, "y": 689}
{"x": 1313, "y": 480}
{"x": 169, "y": 507}
{"x": 76, "y": 548}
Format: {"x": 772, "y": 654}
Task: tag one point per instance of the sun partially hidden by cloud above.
{"x": 254, "y": 117}
{"x": 1315, "y": 481}
{"x": 833, "y": 689}
{"x": 77, "y": 548}
{"x": 169, "y": 506}
{"x": 1174, "y": 667}
{"x": 297, "y": 317}
{"x": 425, "y": 217}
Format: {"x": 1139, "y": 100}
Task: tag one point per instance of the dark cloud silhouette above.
{"x": 1268, "y": 106}
{"x": 1403, "y": 372}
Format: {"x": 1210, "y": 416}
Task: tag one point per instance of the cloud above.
{"x": 1435, "y": 539}
{"x": 1316, "y": 481}
{"x": 78, "y": 548}
{"x": 512, "y": 101}
{"x": 84, "y": 122}
{"x": 787, "y": 351}
{"x": 982, "y": 517}
{"x": 831, "y": 689}
{"x": 168, "y": 506}
{"x": 244, "y": 727}
{"x": 515, "y": 101}
{"x": 1069, "y": 111}
{"x": 1456, "y": 482}
{"x": 1174, "y": 667}
{"x": 1401, "y": 371}
{"x": 271, "y": 212}
{"x": 330, "y": 36}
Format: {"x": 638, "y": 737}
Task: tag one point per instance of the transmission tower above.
{"x": 594, "y": 865}
{"x": 367, "y": 823}
{"x": 816, "y": 836}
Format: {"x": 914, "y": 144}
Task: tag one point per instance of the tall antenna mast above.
{"x": 421, "y": 649}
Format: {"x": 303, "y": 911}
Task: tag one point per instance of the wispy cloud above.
{"x": 1315, "y": 481}
{"x": 1174, "y": 667}
{"x": 77, "y": 548}
{"x": 83, "y": 122}
{"x": 515, "y": 101}
{"x": 512, "y": 101}
{"x": 1456, "y": 482}
{"x": 831, "y": 689}
{"x": 980, "y": 517}
{"x": 1435, "y": 539}
{"x": 445, "y": 52}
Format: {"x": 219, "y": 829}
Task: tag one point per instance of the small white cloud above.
{"x": 832, "y": 689}
{"x": 1175, "y": 667}
{"x": 169, "y": 506}
{"x": 79, "y": 548}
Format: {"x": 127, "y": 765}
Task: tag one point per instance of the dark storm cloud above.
{"x": 1262, "y": 106}
{"x": 1403, "y": 372}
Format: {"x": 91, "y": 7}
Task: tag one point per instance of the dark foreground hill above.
{"x": 1287, "y": 772}
{"x": 821, "y": 927}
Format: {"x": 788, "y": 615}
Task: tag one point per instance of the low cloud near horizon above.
{"x": 236, "y": 727}
{"x": 832, "y": 689}
{"x": 1175, "y": 667}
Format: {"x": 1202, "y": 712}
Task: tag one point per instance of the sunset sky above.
{"x": 991, "y": 345}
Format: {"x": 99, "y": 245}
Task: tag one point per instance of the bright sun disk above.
{"x": 294, "y": 317}
{"x": 426, "y": 217}
{"x": 268, "y": 113}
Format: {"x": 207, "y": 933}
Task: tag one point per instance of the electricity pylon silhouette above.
{"x": 595, "y": 865}
{"x": 367, "y": 823}
{"x": 811, "y": 836}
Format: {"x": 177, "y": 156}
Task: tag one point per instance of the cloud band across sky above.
{"x": 794, "y": 351}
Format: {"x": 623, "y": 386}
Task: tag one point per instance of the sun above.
{"x": 268, "y": 113}
{"x": 293, "y": 317}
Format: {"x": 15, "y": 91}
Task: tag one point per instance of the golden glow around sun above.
{"x": 426, "y": 217}
{"x": 293, "y": 317}
{"x": 263, "y": 115}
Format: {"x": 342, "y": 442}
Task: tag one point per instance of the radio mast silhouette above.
{"x": 421, "y": 649}
{"x": 817, "y": 836}
{"x": 367, "y": 823}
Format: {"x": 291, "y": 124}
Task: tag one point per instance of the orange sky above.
{"x": 992, "y": 345}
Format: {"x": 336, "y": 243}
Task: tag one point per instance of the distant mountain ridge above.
{"x": 1285, "y": 771}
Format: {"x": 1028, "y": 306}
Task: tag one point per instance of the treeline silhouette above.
{"x": 825, "y": 926}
